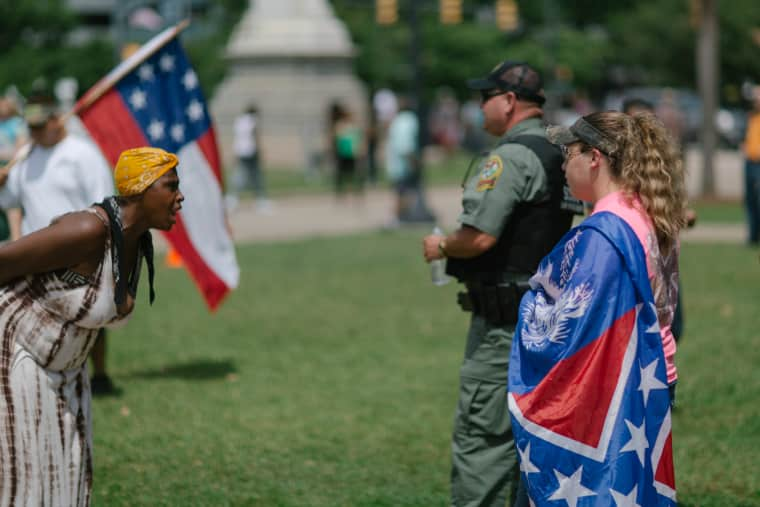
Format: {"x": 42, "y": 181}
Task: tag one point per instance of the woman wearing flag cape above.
{"x": 592, "y": 370}
{"x": 58, "y": 287}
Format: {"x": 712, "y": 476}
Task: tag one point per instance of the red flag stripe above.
{"x": 112, "y": 127}
{"x": 207, "y": 144}
{"x": 213, "y": 288}
{"x": 585, "y": 383}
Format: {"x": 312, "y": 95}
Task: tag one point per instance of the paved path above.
{"x": 305, "y": 216}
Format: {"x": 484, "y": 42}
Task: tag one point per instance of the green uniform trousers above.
{"x": 485, "y": 469}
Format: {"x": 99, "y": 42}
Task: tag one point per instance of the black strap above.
{"x": 545, "y": 151}
{"x": 145, "y": 249}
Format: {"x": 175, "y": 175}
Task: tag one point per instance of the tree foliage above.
{"x": 585, "y": 44}
{"x": 34, "y": 44}
{"x": 592, "y": 45}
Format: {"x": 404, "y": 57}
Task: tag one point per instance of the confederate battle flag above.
{"x": 588, "y": 391}
{"x": 153, "y": 98}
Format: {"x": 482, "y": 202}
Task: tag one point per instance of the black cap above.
{"x": 582, "y": 131}
{"x": 511, "y": 76}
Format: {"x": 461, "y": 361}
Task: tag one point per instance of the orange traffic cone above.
{"x": 173, "y": 259}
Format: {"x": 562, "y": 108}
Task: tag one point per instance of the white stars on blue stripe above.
{"x": 166, "y": 63}
{"x": 628, "y": 500}
{"x": 649, "y": 381}
{"x": 195, "y": 110}
{"x": 145, "y": 71}
{"x": 190, "y": 80}
{"x": 570, "y": 488}
{"x": 638, "y": 442}
{"x": 156, "y": 130}
{"x": 138, "y": 99}
{"x": 164, "y": 96}
{"x": 178, "y": 132}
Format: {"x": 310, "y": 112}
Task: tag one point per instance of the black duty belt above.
{"x": 497, "y": 303}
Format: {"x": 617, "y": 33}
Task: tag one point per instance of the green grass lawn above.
{"x": 719, "y": 211}
{"x": 329, "y": 379}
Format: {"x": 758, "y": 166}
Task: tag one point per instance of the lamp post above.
{"x": 420, "y": 212}
{"x": 707, "y": 72}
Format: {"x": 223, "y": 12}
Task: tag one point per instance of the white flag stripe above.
{"x": 205, "y": 220}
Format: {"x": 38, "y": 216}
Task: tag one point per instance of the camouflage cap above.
{"x": 581, "y": 131}
{"x": 512, "y": 76}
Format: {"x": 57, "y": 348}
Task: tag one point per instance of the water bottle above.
{"x": 438, "y": 266}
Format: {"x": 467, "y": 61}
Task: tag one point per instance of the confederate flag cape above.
{"x": 588, "y": 391}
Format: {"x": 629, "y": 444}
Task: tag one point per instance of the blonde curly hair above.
{"x": 647, "y": 163}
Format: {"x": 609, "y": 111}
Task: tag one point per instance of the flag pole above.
{"x": 124, "y": 68}
{"x": 101, "y": 87}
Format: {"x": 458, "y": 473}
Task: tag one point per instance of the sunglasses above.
{"x": 486, "y": 95}
{"x": 567, "y": 154}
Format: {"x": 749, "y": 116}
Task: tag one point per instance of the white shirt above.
{"x": 401, "y": 143}
{"x": 70, "y": 176}
{"x": 385, "y": 104}
{"x": 245, "y": 140}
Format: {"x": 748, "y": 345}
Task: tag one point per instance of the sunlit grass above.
{"x": 329, "y": 378}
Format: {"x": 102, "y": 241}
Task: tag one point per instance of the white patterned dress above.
{"x": 49, "y": 322}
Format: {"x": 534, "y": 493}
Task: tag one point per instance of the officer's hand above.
{"x": 4, "y": 174}
{"x": 430, "y": 247}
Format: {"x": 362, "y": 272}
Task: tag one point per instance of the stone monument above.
{"x": 292, "y": 59}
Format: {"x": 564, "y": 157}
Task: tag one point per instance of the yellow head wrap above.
{"x": 138, "y": 168}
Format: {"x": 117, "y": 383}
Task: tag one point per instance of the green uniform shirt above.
{"x": 508, "y": 175}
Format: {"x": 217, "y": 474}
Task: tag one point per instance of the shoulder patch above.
{"x": 491, "y": 171}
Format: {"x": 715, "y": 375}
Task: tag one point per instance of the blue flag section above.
{"x": 588, "y": 391}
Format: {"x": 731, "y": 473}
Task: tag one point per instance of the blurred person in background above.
{"x": 402, "y": 158}
{"x": 247, "y": 144}
{"x": 385, "y": 105}
{"x": 348, "y": 148}
{"x": 445, "y": 128}
{"x": 474, "y": 137}
{"x": 751, "y": 148}
{"x": 515, "y": 208}
{"x": 635, "y": 105}
{"x": 373, "y": 141}
{"x": 61, "y": 173}
{"x": 672, "y": 117}
{"x": 58, "y": 287}
{"x": 13, "y": 135}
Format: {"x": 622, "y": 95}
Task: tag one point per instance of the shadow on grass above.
{"x": 200, "y": 369}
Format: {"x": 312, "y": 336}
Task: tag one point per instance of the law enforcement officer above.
{"x": 516, "y": 207}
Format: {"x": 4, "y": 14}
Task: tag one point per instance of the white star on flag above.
{"x": 628, "y": 500}
{"x": 648, "y": 380}
{"x": 195, "y": 110}
{"x": 156, "y": 130}
{"x": 145, "y": 72}
{"x": 178, "y": 132}
{"x": 638, "y": 441}
{"x": 138, "y": 99}
{"x": 570, "y": 488}
{"x": 190, "y": 80}
{"x": 525, "y": 463}
{"x": 166, "y": 63}
{"x": 654, "y": 328}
